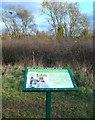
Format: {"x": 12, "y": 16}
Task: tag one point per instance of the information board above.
{"x": 49, "y": 79}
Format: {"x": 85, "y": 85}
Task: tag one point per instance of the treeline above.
{"x": 64, "y": 20}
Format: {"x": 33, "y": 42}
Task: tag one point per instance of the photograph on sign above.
{"x": 48, "y": 78}
{"x": 37, "y": 80}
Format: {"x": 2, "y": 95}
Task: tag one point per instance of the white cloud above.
{"x": 1, "y": 25}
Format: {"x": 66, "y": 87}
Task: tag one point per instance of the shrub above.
{"x": 33, "y": 51}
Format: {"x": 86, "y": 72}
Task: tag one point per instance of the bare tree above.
{"x": 66, "y": 15}
{"x": 18, "y": 20}
{"x": 27, "y": 21}
{"x": 78, "y": 21}
{"x": 55, "y": 14}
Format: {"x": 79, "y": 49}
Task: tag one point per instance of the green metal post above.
{"x": 48, "y": 105}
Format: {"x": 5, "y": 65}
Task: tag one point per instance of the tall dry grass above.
{"x": 37, "y": 52}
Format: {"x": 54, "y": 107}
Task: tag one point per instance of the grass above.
{"x": 19, "y": 104}
{"x": 76, "y": 54}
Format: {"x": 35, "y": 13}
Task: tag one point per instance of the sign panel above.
{"x": 49, "y": 79}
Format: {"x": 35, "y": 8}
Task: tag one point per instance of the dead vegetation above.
{"x": 36, "y": 52}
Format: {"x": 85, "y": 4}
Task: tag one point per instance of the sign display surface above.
{"x": 49, "y": 79}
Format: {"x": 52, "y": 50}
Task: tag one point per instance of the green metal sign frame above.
{"x": 49, "y": 89}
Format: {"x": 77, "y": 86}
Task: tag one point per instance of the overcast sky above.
{"x": 35, "y": 6}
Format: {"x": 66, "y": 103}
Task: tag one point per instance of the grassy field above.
{"x": 18, "y": 104}
{"x": 76, "y": 54}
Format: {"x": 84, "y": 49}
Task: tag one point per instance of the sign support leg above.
{"x": 48, "y": 105}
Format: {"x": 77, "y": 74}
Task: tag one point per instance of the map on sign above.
{"x": 49, "y": 79}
